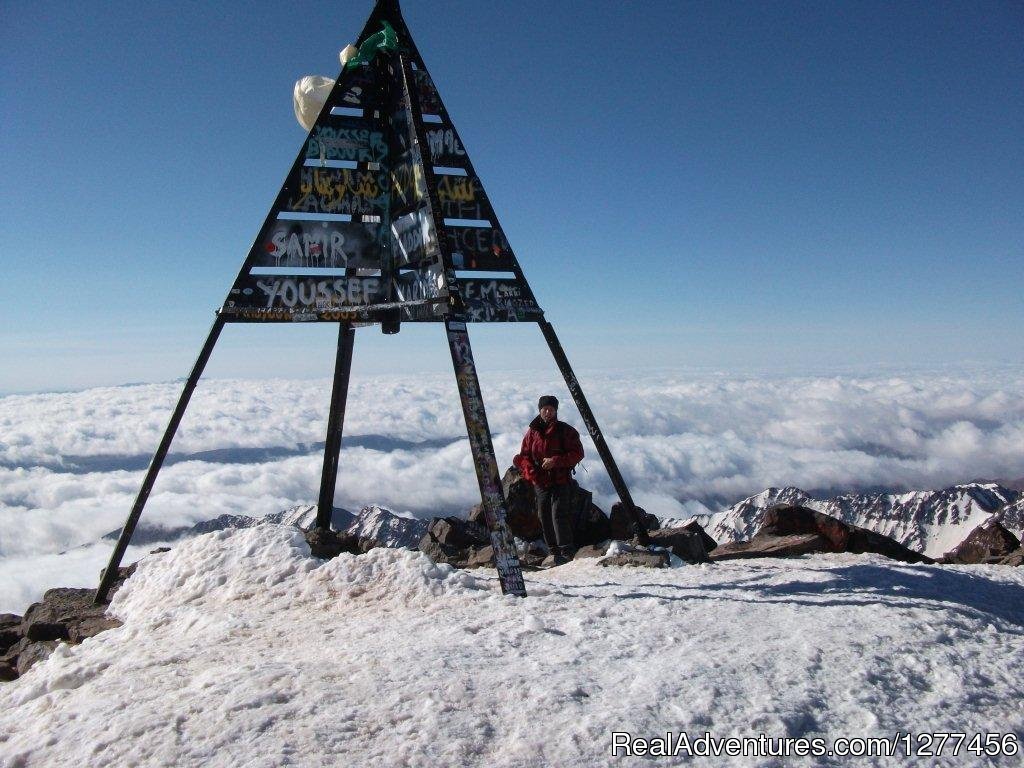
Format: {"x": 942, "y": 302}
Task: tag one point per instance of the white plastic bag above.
{"x": 311, "y": 92}
{"x": 308, "y": 98}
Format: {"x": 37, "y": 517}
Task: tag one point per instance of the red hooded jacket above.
{"x": 557, "y": 440}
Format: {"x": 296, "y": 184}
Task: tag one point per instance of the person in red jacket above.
{"x": 550, "y": 450}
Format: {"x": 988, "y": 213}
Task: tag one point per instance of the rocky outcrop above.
{"x": 772, "y": 546}
{"x": 622, "y": 523}
{"x": 454, "y": 541}
{"x": 521, "y": 507}
{"x": 637, "y": 559}
{"x": 592, "y": 550}
{"x": 327, "y": 544}
{"x": 590, "y": 525}
{"x": 684, "y": 543}
{"x": 790, "y": 530}
{"x": 63, "y": 615}
{"x": 1014, "y": 558}
{"x": 990, "y": 542}
{"x": 931, "y": 522}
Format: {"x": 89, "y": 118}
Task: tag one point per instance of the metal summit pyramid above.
{"x": 382, "y": 219}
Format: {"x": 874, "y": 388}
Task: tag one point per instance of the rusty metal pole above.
{"x": 109, "y": 574}
{"x": 335, "y": 424}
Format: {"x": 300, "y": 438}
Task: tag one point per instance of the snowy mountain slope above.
{"x": 389, "y": 529}
{"x": 239, "y": 649}
{"x": 932, "y": 522}
{"x": 373, "y": 521}
{"x": 1013, "y": 517}
{"x": 743, "y": 519}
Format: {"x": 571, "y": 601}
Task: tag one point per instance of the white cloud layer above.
{"x": 683, "y": 442}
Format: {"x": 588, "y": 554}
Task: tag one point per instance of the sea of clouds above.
{"x": 71, "y": 463}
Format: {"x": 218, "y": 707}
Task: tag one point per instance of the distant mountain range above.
{"x": 931, "y": 522}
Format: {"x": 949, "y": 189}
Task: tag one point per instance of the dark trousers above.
{"x": 555, "y": 513}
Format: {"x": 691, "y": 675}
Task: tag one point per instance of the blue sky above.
{"x": 790, "y": 186}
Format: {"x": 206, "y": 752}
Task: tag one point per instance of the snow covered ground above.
{"x": 239, "y": 649}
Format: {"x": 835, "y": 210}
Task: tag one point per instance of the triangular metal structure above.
{"x": 382, "y": 219}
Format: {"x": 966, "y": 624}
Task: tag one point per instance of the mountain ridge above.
{"x": 930, "y": 522}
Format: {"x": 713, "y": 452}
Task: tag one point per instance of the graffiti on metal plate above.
{"x": 496, "y": 300}
{"x": 426, "y": 283}
{"x": 445, "y": 147}
{"x": 319, "y": 244}
{"x": 478, "y": 248}
{"x": 360, "y": 88}
{"x": 360, "y": 144}
{"x": 273, "y": 292}
{"x": 408, "y": 183}
{"x": 413, "y": 238}
{"x": 430, "y": 101}
{"x": 462, "y": 197}
{"x": 339, "y": 190}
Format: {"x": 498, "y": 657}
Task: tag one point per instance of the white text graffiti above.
{"x": 444, "y": 143}
{"x": 416, "y": 239}
{"x": 316, "y": 249}
{"x": 320, "y": 294}
{"x": 361, "y": 145}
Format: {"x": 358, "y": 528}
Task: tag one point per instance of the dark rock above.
{"x": 772, "y": 546}
{"x": 9, "y": 621}
{"x": 159, "y": 550}
{"x": 1014, "y": 558}
{"x": 862, "y": 540}
{"x": 458, "y": 533}
{"x": 59, "y": 605}
{"x": 9, "y": 637}
{"x": 592, "y": 550}
{"x": 7, "y": 672}
{"x": 590, "y": 524}
{"x": 789, "y": 519}
{"x": 990, "y": 542}
{"x": 789, "y": 530}
{"x": 694, "y": 527}
{"x": 452, "y": 540}
{"x": 637, "y": 559}
{"x": 45, "y": 630}
{"x": 90, "y": 627}
{"x": 10, "y": 656}
{"x": 366, "y": 543}
{"x": 621, "y": 524}
{"x": 34, "y": 652}
{"x": 683, "y": 542}
{"x": 482, "y": 557}
{"x": 521, "y": 501}
{"x": 64, "y": 614}
{"x": 327, "y": 544}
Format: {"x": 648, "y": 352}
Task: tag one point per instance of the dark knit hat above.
{"x": 548, "y": 400}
